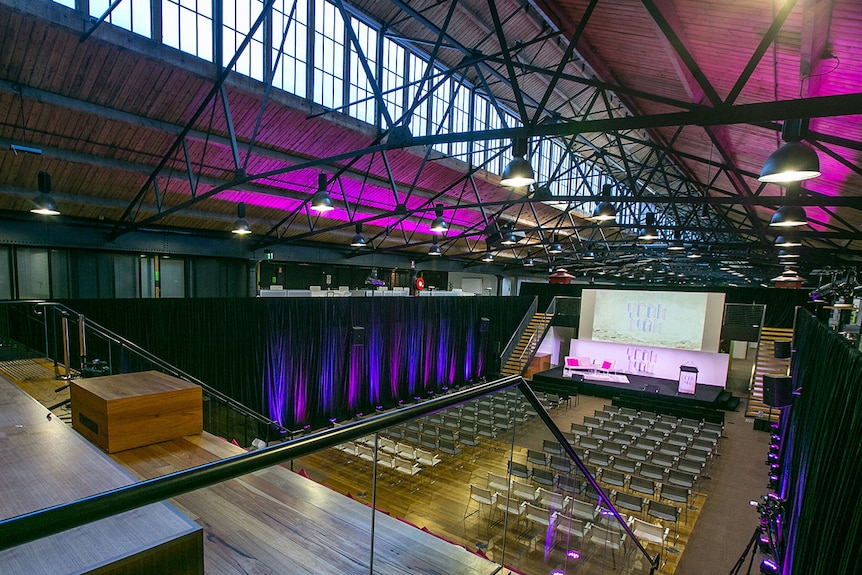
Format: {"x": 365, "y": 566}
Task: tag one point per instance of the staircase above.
{"x": 766, "y": 363}
{"x": 517, "y": 363}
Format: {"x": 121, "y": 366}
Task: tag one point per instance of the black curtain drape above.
{"x": 822, "y": 454}
{"x": 300, "y": 361}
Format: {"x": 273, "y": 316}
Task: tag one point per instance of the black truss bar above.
{"x": 222, "y": 76}
{"x": 507, "y": 57}
{"x": 268, "y": 90}
{"x": 193, "y": 183}
{"x": 821, "y": 106}
{"x": 765, "y": 42}
{"x": 682, "y": 51}
{"x": 234, "y": 148}
{"x": 564, "y": 61}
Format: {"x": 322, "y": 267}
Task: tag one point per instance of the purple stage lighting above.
{"x": 769, "y": 567}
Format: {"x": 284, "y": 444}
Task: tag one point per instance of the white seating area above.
{"x": 580, "y": 365}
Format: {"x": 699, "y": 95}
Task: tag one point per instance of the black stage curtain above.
{"x": 301, "y": 362}
{"x": 780, "y": 304}
{"x": 822, "y": 454}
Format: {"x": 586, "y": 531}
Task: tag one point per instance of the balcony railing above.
{"x": 80, "y": 347}
{"x": 485, "y": 467}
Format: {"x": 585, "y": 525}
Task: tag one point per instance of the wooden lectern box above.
{"x": 119, "y": 412}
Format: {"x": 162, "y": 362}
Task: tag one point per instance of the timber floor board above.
{"x": 276, "y": 521}
{"x": 46, "y": 463}
{"x": 263, "y": 522}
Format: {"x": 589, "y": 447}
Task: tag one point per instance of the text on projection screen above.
{"x": 657, "y": 319}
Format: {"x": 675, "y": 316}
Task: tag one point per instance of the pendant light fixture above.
{"x": 488, "y": 257}
{"x": 434, "y": 250}
{"x": 439, "y": 225}
{"x": 795, "y": 160}
{"x": 507, "y": 235}
{"x": 43, "y": 203}
{"x": 787, "y": 241}
{"x": 518, "y": 172}
{"x": 605, "y": 210}
{"x": 789, "y": 216}
{"x": 676, "y": 244}
{"x": 649, "y": 231}
{"x": 320, "y": 201}
{"x": 358, "y": 240}
{"x": 554, "y": 247}
{"x": 240, "y": 225}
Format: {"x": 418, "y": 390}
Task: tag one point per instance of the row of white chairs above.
{"x": 391, "y": 455}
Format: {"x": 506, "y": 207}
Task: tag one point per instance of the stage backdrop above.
{"x": 301, "y": 362}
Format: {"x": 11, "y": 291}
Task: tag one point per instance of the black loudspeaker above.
{"x": 777, "y": 389}
{"x": 358, "y": 335}
{"x": 782, "y": 349}
{"x": 484, "y": 322}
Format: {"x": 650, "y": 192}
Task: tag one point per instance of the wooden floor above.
{"x": 276, "y": 521}
{"x": 45, "y": 463}
{"x": 437, "y": 500}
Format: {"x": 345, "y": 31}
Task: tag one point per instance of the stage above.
{"x": 641, "y": 392}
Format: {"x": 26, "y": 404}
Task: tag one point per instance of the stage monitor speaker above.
{"x": 483, "y": 324}
{"x": 782, "y": 349}
{"x": 358, "y": 335}
{"x": 777, "y": 389}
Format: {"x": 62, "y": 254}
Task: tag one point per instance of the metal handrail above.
{"x": 52, "y": 520}
{"x": 533, "y": 343}
{"x": 519, "y": 331}
{"x": 570, "y": 451}
{"x": 168, "y": 368}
